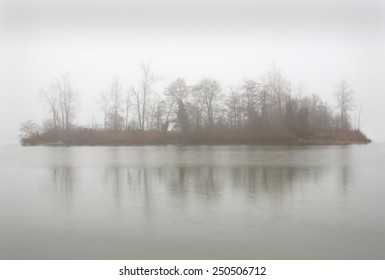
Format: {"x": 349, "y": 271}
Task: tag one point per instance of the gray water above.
{"x": 192, "y": 202}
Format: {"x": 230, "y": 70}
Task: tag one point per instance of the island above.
{"x": 264, "y": 111}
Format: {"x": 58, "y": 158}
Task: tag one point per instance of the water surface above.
{"x": 192, "y": 202}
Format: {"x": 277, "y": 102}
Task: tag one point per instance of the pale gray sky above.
{"x": 314, "y": 43}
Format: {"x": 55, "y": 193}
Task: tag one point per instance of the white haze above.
{"x": 314, "y": 44}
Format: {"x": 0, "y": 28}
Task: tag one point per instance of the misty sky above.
{"x": 313, "y": 43}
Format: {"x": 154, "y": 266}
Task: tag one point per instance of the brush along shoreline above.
{"x": 92, "y": 137}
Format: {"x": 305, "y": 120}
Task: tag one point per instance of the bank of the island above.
{"x": 93, "y": 137}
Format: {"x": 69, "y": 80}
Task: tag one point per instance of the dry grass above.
{"x": 354, "y": 136}
{"x": 92, "y": 137}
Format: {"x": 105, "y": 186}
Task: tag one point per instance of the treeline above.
{"x": 258, "y": 110}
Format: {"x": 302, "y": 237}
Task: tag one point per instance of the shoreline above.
{"x": 102, "y": 138}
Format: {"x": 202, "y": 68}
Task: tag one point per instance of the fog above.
{"x": 314, "y": 44}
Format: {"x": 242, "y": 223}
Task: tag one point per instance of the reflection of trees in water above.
{"x": 273, "y": 172}
{"x": 273, "y": 179}
{"x": 113, "y": 180}
{"x": 135, "y": 183}
{"x": 210, "y": 181}
{"x": 187, "y": 180}
{"x": 62, "y": 183}
{"x": 62, "y": 172}
{"x": 141, "y": 183}
{"x": 344, "y": 172}
{"x": 62, "y": 179}
{"x": 344, "y": 178}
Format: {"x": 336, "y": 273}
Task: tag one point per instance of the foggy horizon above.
{"x": 314, "y": 45}
{"x": 196, "y": 132}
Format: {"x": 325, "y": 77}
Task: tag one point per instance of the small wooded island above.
{"x": 265, "y": 111}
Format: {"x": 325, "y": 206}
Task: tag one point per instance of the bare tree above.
{"x": 276, "y": 87}
{"x": 60, "y": 98}
{"x": 50, "y": 99}
{"x": 127, "y": 102}
{"x": 208, "y": 93}
{"x": 142, "y": 94}
{"x": 156, "y": 113}
{"x": 183, "y": 118}
{"x": 359, "y": 117}
{"x": 234, "y": 108}
{"x": 264, "y": 108}
{"x": 103, "y": 103}
{"x": 345, "y": 103}
{"x": 28, "y": 129}
{"x": 67, "y": 101}
{"x": 116, "y": 104}
{"x": 149, "y": 78}
{"x": 176, "y": 92}
{"x": 194, "y": 113}
{"x": 250, "y": 90}
{"x": 137, "y": 97}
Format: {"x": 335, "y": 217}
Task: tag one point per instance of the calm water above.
{"x": 192, "y": 202}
